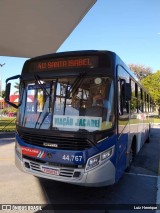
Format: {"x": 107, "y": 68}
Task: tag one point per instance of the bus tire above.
{"x": 132, "y": 154}
{"x": 149, "y": 134}
{"x": 148, "y": 140}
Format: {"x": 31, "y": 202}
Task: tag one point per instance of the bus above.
{"x": 82, "y": 117}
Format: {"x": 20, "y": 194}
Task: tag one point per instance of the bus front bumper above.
{"x": 102, "y": 175}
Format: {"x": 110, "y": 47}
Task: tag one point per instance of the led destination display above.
{"x": 64, "y": 63}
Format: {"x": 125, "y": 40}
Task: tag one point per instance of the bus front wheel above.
{"x": 131, "y": 156}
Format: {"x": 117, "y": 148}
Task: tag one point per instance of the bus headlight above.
{"x": 106, "y": 154}
{"x": 99, "y": 159}
{"x": 92, "y": 162}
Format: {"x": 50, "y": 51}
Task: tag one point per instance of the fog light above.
{"x": 27, "y": 165}
{"x": 76, "y": 174}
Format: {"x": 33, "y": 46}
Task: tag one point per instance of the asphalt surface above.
{"x": 138, "y": 187}
{"x": 16, "y": 187}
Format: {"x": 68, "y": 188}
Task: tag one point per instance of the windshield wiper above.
{"x": 78, "y": 81}
{"x": 38, "y": 80}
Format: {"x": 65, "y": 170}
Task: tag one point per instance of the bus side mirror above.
{"x": 8, "y": 90}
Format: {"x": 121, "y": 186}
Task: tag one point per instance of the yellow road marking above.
{"x": 6, "y": 159}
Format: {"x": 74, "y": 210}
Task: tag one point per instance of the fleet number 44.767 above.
{"x": 76, "y": 158}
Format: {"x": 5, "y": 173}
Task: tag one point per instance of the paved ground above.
{"x": 139, "y": 186}
{"x": 16, "y": 187}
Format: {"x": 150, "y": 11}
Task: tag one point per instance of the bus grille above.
{"x": 63, "y": 172}
{"x": 55, "y": 142}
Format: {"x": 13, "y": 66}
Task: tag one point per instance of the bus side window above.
{"x": 123, "y": 105}
{"x": 140, "y": 104}
{"x": 133, "y": 103}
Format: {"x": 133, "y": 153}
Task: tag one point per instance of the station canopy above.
{"x": 31, "y": 28}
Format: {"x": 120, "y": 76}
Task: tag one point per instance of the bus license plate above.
{"x": 50, "y": 171}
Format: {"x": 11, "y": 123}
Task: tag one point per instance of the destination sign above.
{"x": 77, "y": 122}
{"x": 64, "y": 63}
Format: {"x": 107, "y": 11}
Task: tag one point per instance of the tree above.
{"x": 140, "y": 70}
{"x": 152, "y": 84}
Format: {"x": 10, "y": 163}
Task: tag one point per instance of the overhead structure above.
{"x": 30, "y": 28}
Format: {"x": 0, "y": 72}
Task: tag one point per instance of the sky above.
{"x": 130, "y": 28}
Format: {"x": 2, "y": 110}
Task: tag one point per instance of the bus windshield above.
{"x": 68, "y": 104}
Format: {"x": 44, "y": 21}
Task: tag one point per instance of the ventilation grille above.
{"x": 56, "y": 142}
{"x": 63, "y": 172}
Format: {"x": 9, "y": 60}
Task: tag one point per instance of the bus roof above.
{"x": 111, "y": 55}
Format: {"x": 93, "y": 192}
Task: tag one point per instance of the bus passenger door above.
{"x": 123, "y": 125}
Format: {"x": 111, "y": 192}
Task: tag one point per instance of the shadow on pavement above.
{"x": 7, "y": 138}
{"x": 137, "y": 187}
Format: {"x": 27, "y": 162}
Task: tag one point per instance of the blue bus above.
{"x": 82, "y": 117}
